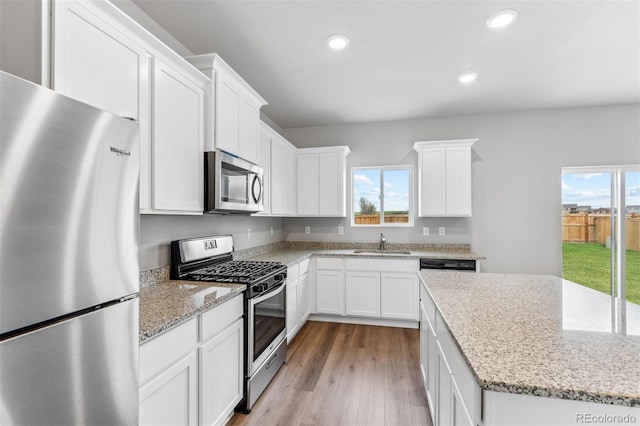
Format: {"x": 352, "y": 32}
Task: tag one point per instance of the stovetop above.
{"x": 211, "y": 259}
{"x": 236, "y": 271}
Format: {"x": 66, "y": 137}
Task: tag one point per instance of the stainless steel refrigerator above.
{"x": 68, "y": 261}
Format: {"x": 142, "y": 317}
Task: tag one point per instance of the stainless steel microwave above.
{"x": 231, "y": 184}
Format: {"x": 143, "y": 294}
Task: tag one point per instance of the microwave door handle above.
{"x": 256, "y": 179}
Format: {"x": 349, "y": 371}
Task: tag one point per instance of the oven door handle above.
{"x": 267, "y": 295}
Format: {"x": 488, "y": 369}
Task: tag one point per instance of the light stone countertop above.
{"x": 168, "y": 303}
{"x": 539, "y": 335}
{"x": 290, "y": 255}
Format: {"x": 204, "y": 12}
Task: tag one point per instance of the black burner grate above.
{"x": 239, "y": 271}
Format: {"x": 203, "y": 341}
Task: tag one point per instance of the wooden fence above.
{"x": 374, "y": 219}
{"x": 592, "y": 228}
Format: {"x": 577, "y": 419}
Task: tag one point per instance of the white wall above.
{"x": 21, "y": 38}
{"x": 516, "y": 176}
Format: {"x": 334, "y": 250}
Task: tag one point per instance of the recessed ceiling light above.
{"x": 338, "y": 41}
{"x": 502, "y": 18}
{"x": 467, "y": 78}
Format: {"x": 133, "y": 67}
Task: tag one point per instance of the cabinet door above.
{"x": 95, "y": 63}
{"x": 459, "y": 411}
{"x": 221, "y": 372}
{"x": 249, "y": 124}
{"x": 303, "y": 300}
{"x": 424, "y": 357}
{"x": 329, "y": 292}
{"x": 331, "y": 185}
{"x": 362, "y": 291}
{"x": 264, "y": 161}
{"x": 227, "y": 122}
{"x": 443, "y": 385}
{"x": 458, "y": 181}
{"x": 171, "y": 397}
{"x": 307, "y": 184}
{"x": 178, "y": 114}
{"x": 291, "y": 181}
{"x": 283, "y": 178}
{"x": 399, "y": 296}
{"x": 432, "y": 367}
{"x": 433, "y": 201}
{"x": 292, "y": 309}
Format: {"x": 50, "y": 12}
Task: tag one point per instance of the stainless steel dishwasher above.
{"x": 469, "y": 265}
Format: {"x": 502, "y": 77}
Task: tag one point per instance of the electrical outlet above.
{"x": 441, "y": 230}
{"x": 271, "y": 230}
{"x": 248, "y": 234}
{"x": 425, "y": 230}
{"x": 307, "y": 230}
{"x": 340, "y": 230}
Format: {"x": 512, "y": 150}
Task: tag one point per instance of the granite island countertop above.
{"x": 538, "y": 335}
{"x": 167, "y": 303}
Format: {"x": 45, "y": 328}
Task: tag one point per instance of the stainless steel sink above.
{"x": 382, "y": 251}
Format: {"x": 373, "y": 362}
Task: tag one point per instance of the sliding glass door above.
{"x": 601, "y": 240}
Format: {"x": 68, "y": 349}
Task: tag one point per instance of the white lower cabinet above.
{"x": 298, "y": 306}
{"x": 399, "y": 295}
{"x": 362, "y": 293}
{"x": 292, "y": 308}
{"x": 193, "y": 373}
{"x": 443, "y": 389}
{"x": 453, "y": 395}
{"x": 330, "y": 286}
{"x": 372, "y": 289}
{"x": 221, "y": 374}
{"x": 382, "y": 288}
{"x": 304, "y": 298}
{"x": 171, "y": 397}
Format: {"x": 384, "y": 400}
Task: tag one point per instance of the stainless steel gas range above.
{"x": 211, "y": 259}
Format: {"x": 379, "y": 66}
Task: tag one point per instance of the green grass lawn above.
{"x": 588, "y": 264}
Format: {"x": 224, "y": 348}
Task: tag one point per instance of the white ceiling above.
{"x": 405, "y": 56}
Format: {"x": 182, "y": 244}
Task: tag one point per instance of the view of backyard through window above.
{"x": 381, "y": 196}
{"x": 586, "y": 230}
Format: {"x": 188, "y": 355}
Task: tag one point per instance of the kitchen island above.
{"x": 530, "y": 349}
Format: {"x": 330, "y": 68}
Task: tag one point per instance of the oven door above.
{"x": 266, "y": 326}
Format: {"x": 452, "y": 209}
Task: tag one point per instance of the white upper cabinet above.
{"x": 444, "y": 178}
{"x": 177, "y": 147}
{"x": 104, "y": 58}
{"x": 264, "y": 161}
{"x": 95, "y": 63}
{"x": 283, "y": 177}
{"x": 322, "y": 178}
{"x": 235, "y": 115}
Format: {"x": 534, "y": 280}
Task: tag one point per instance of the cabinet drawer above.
{"x": 292, "y": 272}
{"x": 159, "y": 353}
{"x": 463, "y": 377}
{"x": 329, "y": 263}
{"x": 303, "y": 266}
{"x": 382, "y": 265}
{"x": 217, "y": 319}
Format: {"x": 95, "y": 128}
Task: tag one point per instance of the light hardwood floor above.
{"x": 345, "y": 374}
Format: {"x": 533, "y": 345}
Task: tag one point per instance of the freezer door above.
{"x": 69, "y": 213}
{"x": 83, "y": 371}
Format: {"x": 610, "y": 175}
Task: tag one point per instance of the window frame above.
{"x": 404, "y": 167}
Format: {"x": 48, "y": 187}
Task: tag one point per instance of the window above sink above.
{"x": 382, "y": 196}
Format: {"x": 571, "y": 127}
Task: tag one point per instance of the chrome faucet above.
{"x": 383, "y": 240}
